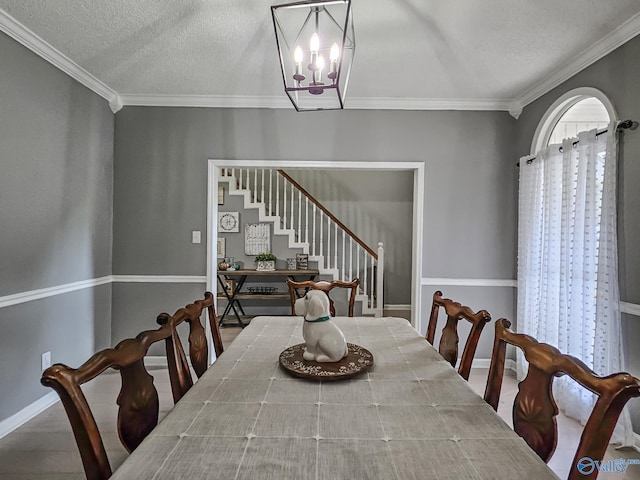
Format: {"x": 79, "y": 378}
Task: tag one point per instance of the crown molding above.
{"x": 625, "y": 32}
{"x": 389, "y": 103}
{"x": 220, "y": 101}
{"x": 37, "y": 45}
{"x": 351, "y": 103}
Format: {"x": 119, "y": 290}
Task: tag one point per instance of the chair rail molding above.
{"x": 470, "y": 282}
{"x": 31, "y": 295}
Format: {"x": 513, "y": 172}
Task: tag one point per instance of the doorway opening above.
{"x": 214, "y": 166}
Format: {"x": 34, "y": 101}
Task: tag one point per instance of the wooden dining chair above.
{"x": 138, "y": 398}
{"x": 534, "y": 409}
{"x": 326, "y": 287}
{"x": 449, "y": 339}
{"x": 178, "y": 366}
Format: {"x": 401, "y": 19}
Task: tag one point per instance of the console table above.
{"x": 240, "y": 276}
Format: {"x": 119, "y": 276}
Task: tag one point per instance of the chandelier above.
{"x": 316, "y": 44}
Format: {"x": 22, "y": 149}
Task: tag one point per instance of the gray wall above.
{"x": 618, "y": 76}
{"x": 56, "y": 170}
{"x": 160, "y": 182}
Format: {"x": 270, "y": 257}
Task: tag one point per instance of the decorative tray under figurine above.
{"x": 357, "y": 361}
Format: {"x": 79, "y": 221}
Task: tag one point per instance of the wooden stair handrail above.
{"x": 329, "y": 214}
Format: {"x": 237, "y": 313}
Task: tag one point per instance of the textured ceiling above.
{"x": 476, "y": 50}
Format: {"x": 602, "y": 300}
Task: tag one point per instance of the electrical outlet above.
{"x": 46, "y": 360}
{"x": 195, "y": 236}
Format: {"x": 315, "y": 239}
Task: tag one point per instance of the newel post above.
{"x": 379, "y": 284}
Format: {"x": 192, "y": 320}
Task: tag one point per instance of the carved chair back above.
{"x": 138, "y": 398}
{"x": 534, "y": 409}
{"x": 179, "y": 372}
{"x": 449, "y": 339}
{"x": 326, "y": 287}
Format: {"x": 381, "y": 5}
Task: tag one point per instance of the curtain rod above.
{"x": 624, "y": 125}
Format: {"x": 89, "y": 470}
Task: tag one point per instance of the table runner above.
{"x": 410, "y": 417}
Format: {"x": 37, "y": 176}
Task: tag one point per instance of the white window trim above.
{"x": 560, "y": 107}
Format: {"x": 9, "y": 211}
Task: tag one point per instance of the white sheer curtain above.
{"x": 568, "y": 264}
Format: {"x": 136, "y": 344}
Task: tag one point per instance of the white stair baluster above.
{"x": 270, "y": 192}
{"x": 299, "y": 239}
{"x": 306, "y": 222}
{"x": 321, "y": 230}
{"x": 364, "y": 273}
{"x": 328, "y": 242}
{"x": 358, "y": 261}
{"x": 313, "y": 237}
{"x": 277, "y": 195}
{"x": 350, "y": 258}
{"x": 262, "y": 187}
{"x": 254, "y": 197}
{"x": 335, "y": 247}
{"x": 373, "y": 282}
{"x": 284, "y": 204}
{"x": 344, "y": 254}
{"x": 291, "y": 213}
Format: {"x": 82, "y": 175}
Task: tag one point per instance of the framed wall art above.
{"x": 257, "y": 238}
{"x": 302, "y": 261}
{"x": 228, "y": 222}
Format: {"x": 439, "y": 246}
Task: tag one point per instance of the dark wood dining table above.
{"x": 410, "y": 416}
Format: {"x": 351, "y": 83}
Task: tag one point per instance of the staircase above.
{"x": 310, "y": 227}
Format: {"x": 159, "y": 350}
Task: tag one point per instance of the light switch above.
{"x": 195, "y": 236}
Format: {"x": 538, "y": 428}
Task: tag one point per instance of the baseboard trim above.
{"x": 470, "y": 282}
{"x": 397, "y": 307}
{"x": 27, "y": 413}
{"x": 509, "y": 364}
{"x": 157, "y": 361}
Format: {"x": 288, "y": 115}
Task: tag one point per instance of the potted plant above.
{"x": 265, "y": 261}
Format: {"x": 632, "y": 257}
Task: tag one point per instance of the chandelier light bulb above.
{"x": 314, "y": 44}
{"x": 335, "y": 52}
{"x": 317, "y": 73}
{"x": 333, "y": 57}
{"x": 298, "y": 57}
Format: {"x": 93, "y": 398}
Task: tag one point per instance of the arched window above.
{"x": 576, "y": 111}
{"x": 582, "y": 116}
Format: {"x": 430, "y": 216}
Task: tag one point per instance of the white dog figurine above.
{"x": 324, "y": 341}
